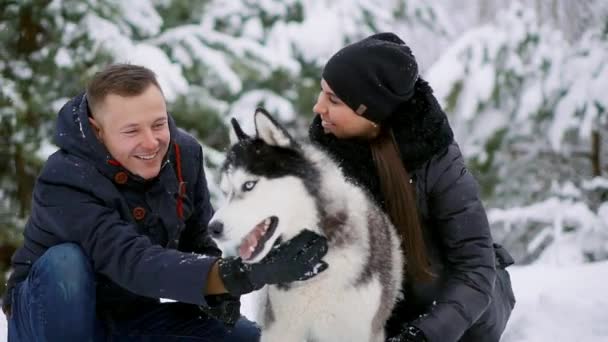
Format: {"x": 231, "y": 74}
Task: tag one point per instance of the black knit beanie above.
{"x": 373, "y": 76}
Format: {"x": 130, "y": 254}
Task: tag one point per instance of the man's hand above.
{"x": 294, "y": 260}
{"x": 224, "y": 308}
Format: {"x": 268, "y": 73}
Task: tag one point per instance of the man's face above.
{"x": 134, "y": 130}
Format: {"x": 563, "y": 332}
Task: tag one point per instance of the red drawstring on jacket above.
{"x": 180, "y": 179}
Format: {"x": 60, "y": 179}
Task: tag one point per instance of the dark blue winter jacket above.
{"x": 145, "y": 239}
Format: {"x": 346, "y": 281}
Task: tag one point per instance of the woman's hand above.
{"x": 409, "y": 333}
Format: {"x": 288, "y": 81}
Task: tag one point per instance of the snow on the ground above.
{"x": 553, "y": 304}
{"x": 559, "y": 303}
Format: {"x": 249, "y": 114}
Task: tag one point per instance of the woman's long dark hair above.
{"x": 400, "y": 203}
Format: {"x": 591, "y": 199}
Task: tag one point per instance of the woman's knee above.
{"x": 493, "y": 321}
{"x": 503, "y": 280}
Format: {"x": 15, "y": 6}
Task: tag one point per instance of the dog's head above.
{"x": 270, "y": 191}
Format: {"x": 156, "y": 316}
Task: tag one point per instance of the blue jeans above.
{"x": 56, "y": 302}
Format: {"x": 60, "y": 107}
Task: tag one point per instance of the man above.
{"x": 119, "y": 218}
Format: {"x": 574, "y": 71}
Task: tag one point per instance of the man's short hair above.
{"x": 119, "y": 79}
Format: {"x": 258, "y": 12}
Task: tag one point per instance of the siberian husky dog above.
{"x": 276, "y": 187}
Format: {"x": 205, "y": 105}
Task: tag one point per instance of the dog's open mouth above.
{"x": 253, "y": 243}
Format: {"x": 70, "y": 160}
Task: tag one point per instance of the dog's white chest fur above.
{"x": 353, "y": 298}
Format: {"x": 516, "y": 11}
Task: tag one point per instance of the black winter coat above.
{"x": 131, "y": 229}
{"x": 455, "y": 225}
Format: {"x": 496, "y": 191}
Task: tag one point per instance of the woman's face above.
{"x": 339, "y": 119}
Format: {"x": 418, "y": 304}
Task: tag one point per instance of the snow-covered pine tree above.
{"x": 46, "y": 57}
{"x": 526, "y": 102}
{"x": 302, "y": 35}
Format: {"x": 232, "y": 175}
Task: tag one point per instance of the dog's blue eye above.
{"x": 247, "y": 186}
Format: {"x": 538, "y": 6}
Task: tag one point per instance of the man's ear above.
{"x": 96, "y": 128}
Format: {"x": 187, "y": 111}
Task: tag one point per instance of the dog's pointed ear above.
{"x": 237, "y": 134}
{"x": 270, "y": 131}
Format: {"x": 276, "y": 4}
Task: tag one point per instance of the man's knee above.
{"x": 66, "y": 258}
{"x": 60, "y": 293}
{"x": 68, "y": 268}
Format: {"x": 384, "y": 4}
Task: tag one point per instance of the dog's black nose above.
{"x": 215, "y": 229}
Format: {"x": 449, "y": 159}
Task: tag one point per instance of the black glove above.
{"x": 295, "y": 260}
{"x": 409, "y": 333}
{"x": 224, "y": 308}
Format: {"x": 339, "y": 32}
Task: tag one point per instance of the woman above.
{"x": 383, "y": 125}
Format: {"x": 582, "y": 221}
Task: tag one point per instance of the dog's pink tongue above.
{"x": 251, "y": 241}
